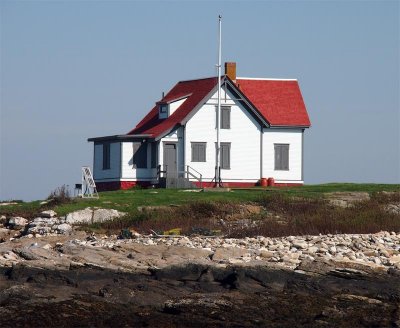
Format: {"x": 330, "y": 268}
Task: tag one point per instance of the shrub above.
{"x": 61, "y": 195}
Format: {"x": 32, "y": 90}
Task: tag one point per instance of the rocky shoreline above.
{"x": 67, "y": 277}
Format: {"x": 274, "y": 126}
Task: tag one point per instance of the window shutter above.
{"x": 225, "y": 156}
{"x": 285, "y": 157}
{"x": 281, "y": 156}
{"x": 225, "y": 117}
{"x": 202, "y": 152}
{"x": 199, "y": 151}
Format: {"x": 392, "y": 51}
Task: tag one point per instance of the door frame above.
{"x": 176, "y": 153}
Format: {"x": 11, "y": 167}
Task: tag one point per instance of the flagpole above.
{"x": 217, "y": 166}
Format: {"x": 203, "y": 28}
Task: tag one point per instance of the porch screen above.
{"x": 139, "y": 159}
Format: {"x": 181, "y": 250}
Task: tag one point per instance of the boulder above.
{"x": 102, "y": 214}
{"x": 3, "y": 219}
{"x": 17, "y": 222}
{"x": 81, "y": 216}
{"x": 63, "y": 228}
{"x": 88, "y": 215}
{"x": 48, "y": 214}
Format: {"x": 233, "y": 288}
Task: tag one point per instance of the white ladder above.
{"x": 88, "y": 185}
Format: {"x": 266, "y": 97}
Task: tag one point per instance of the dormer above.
{"x": 167, "y": 108}
{"x": 163, "y": 110}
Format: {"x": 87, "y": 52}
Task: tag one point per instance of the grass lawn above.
{"x": 129, "y": 200}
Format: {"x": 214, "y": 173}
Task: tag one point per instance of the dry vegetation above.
{"x": 271, "y": 215}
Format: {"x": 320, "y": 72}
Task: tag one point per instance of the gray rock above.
{"x": 25, "y": 254}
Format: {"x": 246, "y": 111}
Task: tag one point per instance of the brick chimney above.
{"x": 230, "y": 70}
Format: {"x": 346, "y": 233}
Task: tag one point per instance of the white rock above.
{"x": 89, "y": 215}
{"x": 64, "y": 228}
{"x": 48, "y": 214}
{"x": 300, "y": 244}
{"x": 102, "y": 214}
{"x": 17, "y": 222}
{"x": 81, "y": 216}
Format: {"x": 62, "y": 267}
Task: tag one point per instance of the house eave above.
{"x": 277, "y": 126}
{"x": 121, "y": 137}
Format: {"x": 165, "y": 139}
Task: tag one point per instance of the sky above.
{"x": 70, "y": 70}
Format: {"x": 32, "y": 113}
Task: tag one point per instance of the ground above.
{"x": 347, "y": 277}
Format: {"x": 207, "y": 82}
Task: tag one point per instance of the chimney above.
{"x": 230, "y": 70}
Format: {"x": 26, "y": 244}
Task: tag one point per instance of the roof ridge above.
{"x": 202, "y": 78}
{"x": 264, "y": 79}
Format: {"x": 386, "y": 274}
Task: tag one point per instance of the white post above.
{"x": 217, "y": 165}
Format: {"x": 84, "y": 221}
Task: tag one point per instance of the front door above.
{"x": 170, "y": 157}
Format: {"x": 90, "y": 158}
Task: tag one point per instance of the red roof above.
{"x": 197, "y": 91}
{"x": 279, "y": 101}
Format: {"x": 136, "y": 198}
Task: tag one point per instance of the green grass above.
{"x": 129, "y": 200}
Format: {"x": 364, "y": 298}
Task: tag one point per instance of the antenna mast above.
{"x": 217, "y": 165}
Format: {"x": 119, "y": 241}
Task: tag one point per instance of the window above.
{"x": 139, "y": 159}
{"x": 163, "y": 108}
{"x": 106, "y": 156}
{"x": 281, "y": 157}
{"x": 225, "y": 155}
{"x": 225, "y": 117}
{"x": 153, "y": 154}
{"x": 199, "y": 151}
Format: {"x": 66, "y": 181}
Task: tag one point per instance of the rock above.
{"x": 101, "y": 214}
{"x": 17, "y": 222}
{"x": 264, "y": 253}
{"x": 81, "y": 216}
{"x": 89, "y": 215}
{"x": 63, "y": 228}
{"x": 395, "y": 259}
{"x": 300, "y": 244}
{"x": 3, "y": 219}
{"x": 48, "y": 214}
{"x": 393, "y": 208}
{"x": 229, "y": 253}
{"x": 25, "y": 254}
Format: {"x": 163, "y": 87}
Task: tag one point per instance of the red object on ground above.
{"x": 263, "y": 182}
{"x": 271, "y": 182}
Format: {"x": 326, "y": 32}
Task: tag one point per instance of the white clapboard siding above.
{"x": 293, "y": 137}
{"x": 129, "y": 173}
{"x": 115, "y": 162}
{"x": 244, "y": 136}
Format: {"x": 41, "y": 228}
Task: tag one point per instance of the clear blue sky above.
{"x": 77, "y": 69}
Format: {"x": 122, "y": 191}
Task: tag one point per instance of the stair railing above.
{"x": 191, "y": 172}
{"x": 161, "y": 173}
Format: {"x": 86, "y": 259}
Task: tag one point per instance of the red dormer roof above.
{"x": 279, "y": 102}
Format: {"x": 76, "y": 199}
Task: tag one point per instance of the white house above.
{"x": 262, "y": 123}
